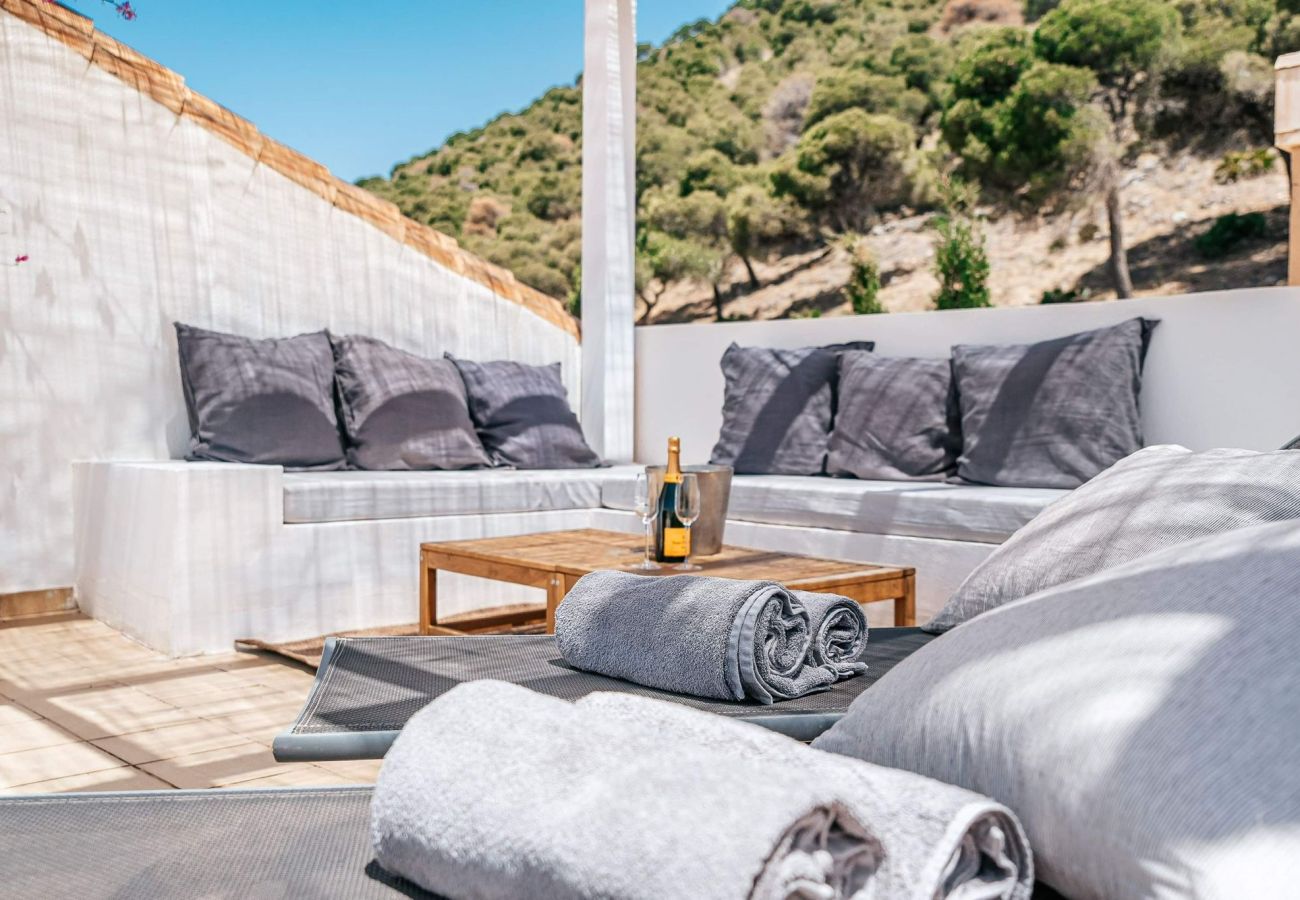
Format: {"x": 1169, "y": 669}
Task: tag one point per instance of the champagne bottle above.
{"x": 673, "y": 540}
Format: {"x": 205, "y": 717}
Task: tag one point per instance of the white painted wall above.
{"x": 132, "y": 219}
{"x": 1223, "y": 369}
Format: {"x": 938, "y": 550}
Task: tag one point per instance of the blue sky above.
{"x": 361, "y": 86}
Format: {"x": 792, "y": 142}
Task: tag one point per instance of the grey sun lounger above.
{"x": 157, "y": 845}
{"x": 366, "y": 688}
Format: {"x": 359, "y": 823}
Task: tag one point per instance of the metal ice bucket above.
{"x": 715, "y": 492}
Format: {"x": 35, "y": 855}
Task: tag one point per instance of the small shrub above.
{"x": 1228, "y": 232}
{"x": 1065, "y": 295}
{"x": 961, "y": 262}
{"x": 863, "y": 287}
{"x": 1239, "y": 164}
{"x": 1057, "y": 245}
{"x": 810, "y": 313}
{"x": 1089, "y": 232}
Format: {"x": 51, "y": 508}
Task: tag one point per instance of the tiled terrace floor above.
{"x": 83, "y": 708}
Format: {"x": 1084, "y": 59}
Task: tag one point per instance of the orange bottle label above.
{"x": 677, "y": 542}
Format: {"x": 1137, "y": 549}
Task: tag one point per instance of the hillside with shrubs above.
{"x": 810, "y": 157}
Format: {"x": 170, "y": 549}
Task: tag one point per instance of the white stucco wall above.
{"x": 1223, "y": 369}
{"x": 134, "y": 218}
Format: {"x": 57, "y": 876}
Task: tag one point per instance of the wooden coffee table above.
{"x": 556, "y": 560}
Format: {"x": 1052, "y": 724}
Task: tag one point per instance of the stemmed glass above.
{"x": 688, "y": 510}
{"x": 647, "y": 509}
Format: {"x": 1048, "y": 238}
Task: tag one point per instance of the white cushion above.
{"x": 355, "y": 496}
{"x": 955, "y": 512}
{"x": 1142, "y": 722}
{"x": 1153, "y": 499}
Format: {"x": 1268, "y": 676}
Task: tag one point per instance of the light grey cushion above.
{"x": 1051, "y": 414}
{"x": 897, "y": 419}
{"x": 1143, "y": 722}
{"x": 1154, "y": 499}
{"x": 402, "y": 411}
{"x": 267, "y": 402}
{"x": 523, "y": 417}
{"x": 777, "y": 410}
{"x": 953, "y": 512}
{"x": 365, "y": 496}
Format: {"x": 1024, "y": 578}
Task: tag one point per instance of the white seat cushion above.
{"x": 354, "y": 496}
{"x": 955, "y": 512}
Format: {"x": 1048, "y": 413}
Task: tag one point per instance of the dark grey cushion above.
{"x": 523, "y": 417}
{"x": 778, "y": 409}
{"x": 260, "y": 401}
{"x": 1154, "y": 499}
{"x": 1051, "y": 414}
{"x": 897, "y": 419}
{"x": 1142, "y": 722}
{"x": 402, "y": 411}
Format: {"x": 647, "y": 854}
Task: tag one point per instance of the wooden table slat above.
{"x": 555, "y": 560}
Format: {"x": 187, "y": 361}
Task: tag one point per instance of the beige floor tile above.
{"x": 305, "y": 776}
{"x": 198, "y": 685}
{"x": 184, "y": 739}
{"x": 105, "y": 712}
{"x": 33, "y": 735}
{"x": 296, "y": 685}
{"x": 273, "y": 702}
{"x": 259, "y": 725}
{"x": 216, "y": 768}
{"x": 29, "y": 766}
{"x": 12, "y": 713}
{"x": 123, "y": 779}
{"x": 360, "y": 771}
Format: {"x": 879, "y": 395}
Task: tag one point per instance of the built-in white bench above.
{"x": 187, "y": 557}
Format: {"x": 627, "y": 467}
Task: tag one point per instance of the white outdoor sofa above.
{"x": 187, "y": 557}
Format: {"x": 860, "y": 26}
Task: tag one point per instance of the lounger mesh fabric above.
{"x": 376, "y": 684}
{"x": 279, "y": 842}
{"x": 165, "y": 844}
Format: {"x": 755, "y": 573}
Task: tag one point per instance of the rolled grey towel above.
{"x": 839, "y": 631}
{"x": 711, "y": 637}
{"x": 938, "y": 840}
{"x": 493, "y": 791}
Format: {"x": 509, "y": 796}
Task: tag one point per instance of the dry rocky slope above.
{"x": 780, "y": 131}
{"x": 1167, "y": 204}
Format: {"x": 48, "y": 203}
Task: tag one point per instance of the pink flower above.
{"x": 22, "y": 258}
{"x": 124, "y": 9}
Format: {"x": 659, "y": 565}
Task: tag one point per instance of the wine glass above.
{"x": 688, "y": 510}
{"x": 646, "y": 508}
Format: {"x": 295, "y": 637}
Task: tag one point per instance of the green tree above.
{"x": 836, "y": 91}
{"x": 663, "y": 260}
{"x": 1021, "y": 127}
{"x": 699, "y": 218}
{"x": 755, "y": 221}
{"x": 960, "y": 261}
{"x": 1124, "y": 44}
{"x": 709, "y": 170}
{"x": 846, "y": 167}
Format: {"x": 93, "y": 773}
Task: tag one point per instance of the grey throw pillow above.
{"x": 523, "y": 417}
{"x": 897, "y": 419}
{"x": 1142, "y": 722}
{"x": 1156, "y": 498}
{"x": 778, "y": 409}
{"x": 269, "y": 402}
{"x": 402, "y": 411}
{"x": 1051, "y": 414}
